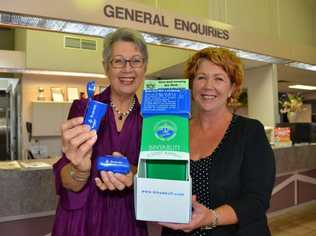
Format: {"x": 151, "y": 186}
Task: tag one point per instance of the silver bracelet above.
{"x": 214, "y": 221}
{"x": 77, "y": 177}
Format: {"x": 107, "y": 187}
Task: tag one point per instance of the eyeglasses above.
{"x": 120, "y": 62}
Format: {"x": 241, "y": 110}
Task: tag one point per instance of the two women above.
{"x": 232, "y": 163}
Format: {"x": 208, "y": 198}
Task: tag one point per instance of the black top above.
{"x": 240, "y": 172}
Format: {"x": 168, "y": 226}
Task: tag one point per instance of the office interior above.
{"x": 277, "y": 43}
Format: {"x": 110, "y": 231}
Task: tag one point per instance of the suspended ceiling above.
{"x": 286, "y": 75}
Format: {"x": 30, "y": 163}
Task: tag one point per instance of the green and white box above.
{"x": 163, "y": 183}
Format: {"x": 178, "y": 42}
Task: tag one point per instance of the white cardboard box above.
{"x": 162, "y": 200}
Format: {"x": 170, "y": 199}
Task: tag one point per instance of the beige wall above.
{"x": 281, "y": 28}
{"x": 305, "y": 115}
{"x": 161, "y": 57}
{"x": 183, "y": 7}
{"x": 296, "y": 21}
{"x": 46, "y": 51}
{"x": 289, "y": 20}
{"x": 12, "y": 59}
{"x": 263, "y": 94}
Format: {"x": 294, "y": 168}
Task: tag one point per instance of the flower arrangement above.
{"x": 291, "y": 103}
{"x": 240, "y": 101}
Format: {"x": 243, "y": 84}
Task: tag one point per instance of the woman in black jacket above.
{"x": 232, "y": 163}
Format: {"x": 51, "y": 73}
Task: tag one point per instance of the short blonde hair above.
{"x": 222, "y": 57}
{"x": 125, "y": 35}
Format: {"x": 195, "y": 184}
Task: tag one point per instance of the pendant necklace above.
{"x": 120, "y": 114}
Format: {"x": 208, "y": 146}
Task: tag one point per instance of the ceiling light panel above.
{"x": 259, "y": 57}
{"x": 303, "y": 87}
{"x": 171, "y": 41}
{"x": 302, "y": 66}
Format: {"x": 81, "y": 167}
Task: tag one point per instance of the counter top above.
{"x": 290, "y": 145}
{"x": 28, "y": 191}
{"x": 26, "y": 165}
{"x": 295, "y": 158}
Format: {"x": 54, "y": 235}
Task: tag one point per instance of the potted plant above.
{"x": 290, "y": 104}
{"x": 240, "y": 101}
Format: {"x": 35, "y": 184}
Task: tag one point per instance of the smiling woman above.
{"x": 101, "y": 203}
{"x": 232, "y": 163}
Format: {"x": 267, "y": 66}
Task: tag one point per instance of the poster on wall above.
{"x": 57, "y": 94}
{"x": 73, "y": 94}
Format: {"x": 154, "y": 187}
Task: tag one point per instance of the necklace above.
{"x": 120, "y": 114}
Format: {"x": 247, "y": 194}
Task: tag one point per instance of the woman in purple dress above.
{"x": 94, "y": 203}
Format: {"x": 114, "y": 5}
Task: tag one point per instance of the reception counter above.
{"x": 296, "y": 176}
{"x": 28, "y": 199}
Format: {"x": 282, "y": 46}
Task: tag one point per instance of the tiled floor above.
{"x": 300, "y": 221}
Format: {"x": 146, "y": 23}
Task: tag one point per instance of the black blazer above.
{"x": 242, "y": 175}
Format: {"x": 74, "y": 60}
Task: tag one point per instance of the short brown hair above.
{"x": 222, "y": 57}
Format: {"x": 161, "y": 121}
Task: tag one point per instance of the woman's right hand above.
{"x": 77, "y": 142}
{"x": 201, "y": 216}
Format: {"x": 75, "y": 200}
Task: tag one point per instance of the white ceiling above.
{"x": 289, "y": 75}
{"x": 286, "y": 76}
{"x": 176, "y": 71}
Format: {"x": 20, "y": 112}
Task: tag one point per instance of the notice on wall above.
{"x": 164, "y": 21}
{"x": 122, "y": 13}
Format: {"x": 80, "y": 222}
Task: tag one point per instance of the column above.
{"x": 263, "y": 94}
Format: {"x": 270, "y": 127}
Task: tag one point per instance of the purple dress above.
{"x": 92, "y": 211}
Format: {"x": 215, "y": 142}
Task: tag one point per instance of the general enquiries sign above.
{"x": 164, "y": 22}
{"x": 122, "y": 13}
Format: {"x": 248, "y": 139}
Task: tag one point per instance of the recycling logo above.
{"x": 165, "y": 130}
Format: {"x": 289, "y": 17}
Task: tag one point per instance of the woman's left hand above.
{"x": 114, "y": 181}
{"x": 201, "y": 216}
